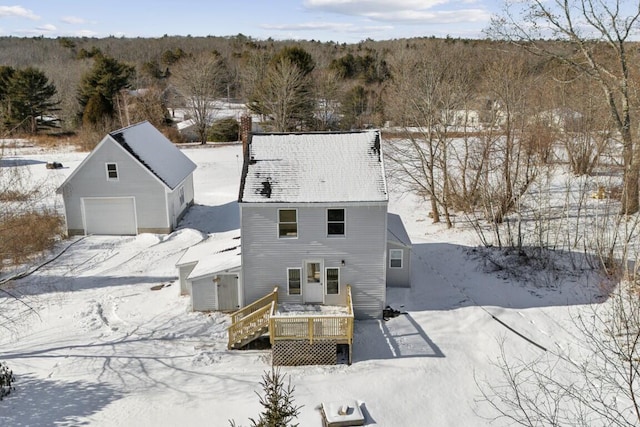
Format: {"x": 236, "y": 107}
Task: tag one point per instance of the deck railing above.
{"x": 255, "y": 306}
{"x": 249, "y": 324}
{"x": 338, "y": 327}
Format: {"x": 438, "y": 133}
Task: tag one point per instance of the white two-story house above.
{"x": 313, "y": 214}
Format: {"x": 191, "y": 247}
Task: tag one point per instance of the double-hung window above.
{"x": 112, "y": 171}
{"x": 395, "y": 258}
{"x": 335, "y": 222}
{"x": 332, "y": 280}
{"x": 287, "y": 223}
{"x": 293, "y": 281}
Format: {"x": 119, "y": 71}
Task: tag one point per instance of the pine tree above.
{"x": 277, "y": 401}
{"x": 26, "y": 96}
{"x": 6, "y": 380}
{"x": 279, "y": 409}
{"x": 99, "y": 87}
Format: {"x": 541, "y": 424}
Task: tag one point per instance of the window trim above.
{"x": 299, "y": 280}
{"x": 343, "y": 222}
{"x": 279, "y": 223}
{"x": 392, "y": 258}
{"x": 106, "y": 167}
{"x": 326, "y": 280}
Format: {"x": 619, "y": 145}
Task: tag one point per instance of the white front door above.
{"x": 313, "y": 285}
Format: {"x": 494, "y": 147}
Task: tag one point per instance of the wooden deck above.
{"x": 311, "y": 327}
{"x": 255, "y": 319}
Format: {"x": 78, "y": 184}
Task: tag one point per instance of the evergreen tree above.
{"x": 29, "y": 98}
{"x": 359, "y": 107}
{"x": 6, "y": 73}
{"x": 279, "y": 409}
{"x": 298, "y": 56}
{"x": 277, "y": 401}
{"x": 99, "y": 87}
{"x": 6, "y": 380}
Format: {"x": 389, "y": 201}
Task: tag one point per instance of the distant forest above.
{"x": 333, "y": 85}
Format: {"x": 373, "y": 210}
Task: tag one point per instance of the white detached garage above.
{"x": 134, "y": 181}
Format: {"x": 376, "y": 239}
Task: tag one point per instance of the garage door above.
{"x": 113, "y": 215}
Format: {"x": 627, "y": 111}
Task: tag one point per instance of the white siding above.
{"x": 133, "y": 181}
{"x": 203, "y": 295}
{"x": 183, "y": 273}
{"x": 399, "y": 277}
{"x": 227, "y": 292}
{"x": 177, "y": 210}
{"x": 109, "y": 215}
{"x": 265, "y": 258}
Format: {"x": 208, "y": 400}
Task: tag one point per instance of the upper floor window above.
{"x": 181, "y": 195}
{"x": 335, "y": 222}
{"x": 395, "y": 258}
{"x": 287, "y": 223}
{"x": 112, "y": 171}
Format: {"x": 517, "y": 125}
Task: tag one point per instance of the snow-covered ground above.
{"x": 109, "y": 346}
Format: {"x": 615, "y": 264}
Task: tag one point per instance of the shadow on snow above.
{"x": 9, "y": 162}
{"x": 400, "y": 337}
{"x": 212, "y": 219}
{"x": 447, "y": 277}
{"x": 38, "y": 402}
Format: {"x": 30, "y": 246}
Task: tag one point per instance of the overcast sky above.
{"x": 336, "y": 20}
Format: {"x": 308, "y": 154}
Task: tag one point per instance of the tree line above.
{"x": 520, "y": 94}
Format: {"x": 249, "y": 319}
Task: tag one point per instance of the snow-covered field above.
{"x": 106, "y": 349}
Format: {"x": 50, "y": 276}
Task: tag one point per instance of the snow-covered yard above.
{"x": 107, "y": 349}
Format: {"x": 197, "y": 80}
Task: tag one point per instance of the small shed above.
{"x": 134, "y": 181}
{"x": 210, "y": 273}
{"x": 398, "y": 253}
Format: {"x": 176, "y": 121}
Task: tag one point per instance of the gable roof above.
{"x": 396, "y": 233}
{"x": 151, "y": 149}
{"x": 216, "y": 254}
{"x": 220, "y": 242}
{"x": 314, "y": 167}
{"x": 155, "y": 152}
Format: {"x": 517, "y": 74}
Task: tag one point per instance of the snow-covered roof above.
{"x": 213, "y": 244}
{"x": 220, "y": 252}
{"x": 217, "y": 263}
{"x": 185, "y": 124}
{"x": 155, "y": 152}
{"x": 314, "y": 167}
{"x": 396, "y": 232}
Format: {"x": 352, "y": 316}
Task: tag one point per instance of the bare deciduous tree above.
{"x": 594, "y": 41}
{"x": 426, "y": 91}
{"x": 511, "y": 167}
{"x": 327, "y": 91}
{"x": 587, "y": 127}
{"x": 594, "y": 382}
{"x": 201, "y": 80}
{"x": 283, "y": 95}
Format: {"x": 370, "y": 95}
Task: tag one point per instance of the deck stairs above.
{"x": 251, "y": 322}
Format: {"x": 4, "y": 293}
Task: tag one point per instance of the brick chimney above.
{"x": 245, "y": 131}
